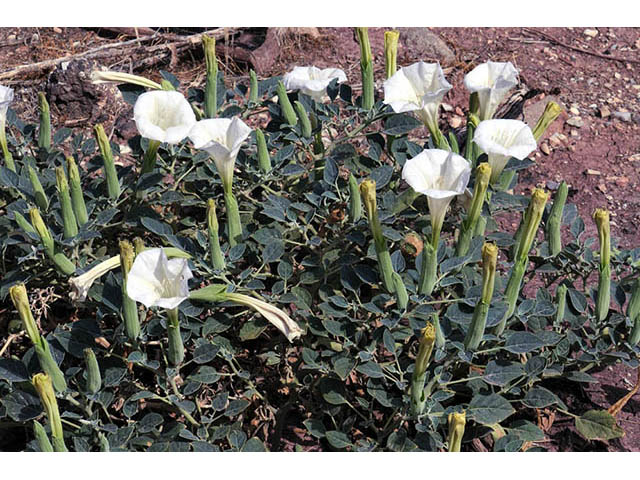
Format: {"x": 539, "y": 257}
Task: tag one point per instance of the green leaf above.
{"x": 502, "y": 374}
{"x": 527, "y": 431}
{"x": 598, "y": 425}
{"x": 236, "y": 407}
{"x": 157, "y": 227}
{"x": 205, "y": 353}
{"x": 13, "y": 370}
{"x": 332, "y": 391}
{"x": 315, "y": 427}
{"x": 371, "y": 369}
{"x": 578, "y": 300}
{"x": 22, "y": 406}
{"x": 343, "y": 367}
{"x": 489, "y": 409}
{"x": 206, "y": 375}
{"x": 400, "y": 124}
{"x": 254, "y": 445}
{"x": 523, "y": 342}
{"x": 273, "y": 251}
{"x": 540, "y": 397}
{"x": 338, "y": 439}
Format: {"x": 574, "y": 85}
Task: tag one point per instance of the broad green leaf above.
{"x": 489, "y": 409}
{"x": 598, "y": 425}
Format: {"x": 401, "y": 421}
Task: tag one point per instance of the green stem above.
{"x": 175, "y": 352}
{"x": 8, "y": 158}
{"x": 234, "y": 225}
{"x": 149, "y": 161}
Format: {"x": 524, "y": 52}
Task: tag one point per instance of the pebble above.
{"x": 544, "y": 148}
{"x": 455, "y": 121}
{"x": 590, "y": 32}
{"x": 446, "y": 107}
{"x": 574, "y": 110}
{"x": 593, "y": 172}
{"x": 13, "y": 37}
{"x": 551, "y": 185}
{"x": 624, "y": 116}
{"x": 575, "y": 122}
{"x": 57, "y": 30}
{"x": 604, "y": 112}
{"x": 34, "y": 38}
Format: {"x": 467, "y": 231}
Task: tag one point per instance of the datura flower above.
{"x": 163, "y": 116}
{"x": 502, "y": 139}
{"x": 417, "y": 88}
{"x": 6, "y": 98}
{"x": 155, "y": 280}
{"x": 221, "y": 138}
{"x": 81, "y": 284}
{"x": 491, "y": 81}
{"x": 110, "y": 77}
{"x": 312, "y": 81}
{"x": 441, "y": 176}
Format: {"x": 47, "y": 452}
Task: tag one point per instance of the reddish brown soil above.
{"x": 588, "y": 74}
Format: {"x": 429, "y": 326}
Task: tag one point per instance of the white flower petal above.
{"x": 491, "y": 81}
{"x": 505, "y": 137}
{"x": 164, "y": 116}
{"x": 312, "y": 81}
{"x": 6, "y": 98}
{"x": 274, "y": 315}
{"x": 420, "y": 86}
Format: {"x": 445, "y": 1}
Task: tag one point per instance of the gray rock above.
{"x": 431, "y": 46}
{"x": 624, "y": 116}
{"x": 575, "y": 122}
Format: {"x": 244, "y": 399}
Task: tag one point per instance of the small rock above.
{"x": 593, "y": 172}
{"x": 431, "y": 45}
{"x": 622, "y": 181}
{"x": 544, "y": 148}
{"x": 575, "y": 122}
{"x": 602, "y": 187}
{"x": 591, "y": 32}
{"x": 624, "y": 116}
{"x": 455, "y": 121}
{"x": 557, "y": 139}
{"x": 604, "y": 112}
{"x": 446, "y": 107}
{"x": 551, "y": 185}
{"x": 13, "y": 37}
{"x": 574, "y": 110}
{"x": 57, "y": 30}
{"x": 35, "y": 38}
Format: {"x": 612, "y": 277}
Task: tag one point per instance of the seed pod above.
{"x": 457, "y": 423}
{"x": 555, "y": 219}
{"x": 366, "y": 67}
{"x": 561, "y": 302}
{"x": 211, "y": 86}
{"x": 113, "y": 186}
{"x": 264, "y": 161}
{"x": 77, "y": 198}
{"x": 94, "y": 379}
{"x": 44, "y": 133}
{"x": 479, "y": 320}
{"x": 285, "y": 105}
{"x": 175, "y": 351}
{"x": 217, "y": 258}
{"x": 305, "y": 123}
{"x": 253, "y": 86}
{"x": 69, "y": 223}
{"x": 42, "y": 201}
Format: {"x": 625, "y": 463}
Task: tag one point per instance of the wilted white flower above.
{"x": 502, "y": 139}
{"x": 221, "y": 138}
{"x": 417, "y": 88}
{"x": 312, "y": 81}
{"x": 109, "y": 76}
{"x": 6, "y": 97}
{"x": 441, "y": 176}
{"x": 491, "y": 81}
{"x": 155, "y": 280}
{"x": 81, "y": 284}
{"x": 164, "y": 116}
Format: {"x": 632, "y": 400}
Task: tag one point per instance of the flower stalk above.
{"x": 555, "y": 219}
{"x": 391, "y": 51}
{"x": 234, "y": 224}
{"x": 470, "y": 150}
{"x": 69, "y": 222}
{"x": 402, "y": 297}
{"x": 211, "y": 86}
{"x": 366, "y": 67}
{"x": 20, "y": 300}
{"x": 113, "y": 186}
{"x": 77, "y": 198}
{"x": 457, "y": 423}
{"x": 264, "y": 160}
{"x": 601, "y": 218}
{"x": 42, "y": 201}
{"x": 418, "y": 379}
{"x": 355, "y": 200}
{"x": 6, "y": 97}
{"x": 129, "y": 307}
{"x": 470, "y": 223}
{"x": 530, "y": 228}
{"x": 217, "y": 258}
{"x": 23, "y": 223}
{"x": 43, "y": 385}
{"x": 44, "y": 133}
{"x": 94, "y": 379}
{"x": 285, "y": 105}
{"x": 561, "y": 304}
{"x": 150, "y": 157}
{"x": 368, "y": 192}
{"x": 480, "y": 313}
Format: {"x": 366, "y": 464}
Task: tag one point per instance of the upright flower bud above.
{"x": 211, "y": 87}
{"x": 366, "y": 67}
{"x": 470, "y": 148}
{"x": 633, "y": 312}
{"x": 427, "y": 341}
{"x": 69, "y": 223}
{"x": 253, "y": 86}
{"x": 483, "y": 177}
{"x": 23, "y": 223}
{"x": 479, "y": 320}
{"x": 20, "y": 300}
{"x": 530, "y": 228}
{"x": 457, "y": 423}
{"x": 217, "y": 258}
{"x": 6, "y": 97}
{"x": 175, "y": 351}
{"x": 43, "y": 232}
{"x": 551, "y": 111}
{"x": 402, "y": 297}
{"x": 44, "y": 134}
{"x": 113, "y": 186}
{"x": 264, "y": 161}
{"x": 94, "y": 379}
{"x": 77, "y": 198}
{"x": 355, "y": 201}
{"x": 555, "y": 220}
{"x": 561, "y": 303}
{"x": 368, "y": 192}
{"x": 42, "y": 201}
{"x": 285, "y": 105}
{"x": 138, "y": 245}
{"x": 41, "y": 437}
{"x": 601, "y": 217}
{"x": 305, "y": 123}
{"x": 391, "y": 51}
{"x": 129, "y": 307}
{"x": 42, "y": 384}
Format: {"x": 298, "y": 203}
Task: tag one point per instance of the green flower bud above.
{"x": 94, "y": 379}
{"x": 480, "y": 313}
{"x": 217, "y": 258}
{"x": 457, "y": 423}
{"x": 253, "y": 87}
{"x": 366, "y": 68}
{"x": 551, "y": 111}
{"x": 23, "y": 223}
{"x": 113, "y": 186}
{"x": 44, "y": 387}
{"x": 167, "y": 86}
{"x": 285, "y": 105}
{"x": 264, "y": 161}
{"x": 41, "y": 437}
{"x": 561, "y": 302}
{"x": 402, "y": 297}
{"x": 555, "y": 219}
{"x": 601, "y": 218}
{"x": 77, "y": 198}
{"x": 211, "y": 87}
{"x": 175, "y": 351}
{"x": 138, "y": 245}
{"x": 355, "y": 201}
{"x": 70, "y": 225}
{"x": 391, "y": 51}
{"x": 42, "y": 201}
{"x": 44, "y": 134}
{"x": 427, "y": 342}
{"x": 305, "y": 123}
{"x": 43, "y": 232}
{"x": 469, "y": 225}
{"x": 129, "y": 307}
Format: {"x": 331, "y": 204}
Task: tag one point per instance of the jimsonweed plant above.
{"x": 338, "y": 271}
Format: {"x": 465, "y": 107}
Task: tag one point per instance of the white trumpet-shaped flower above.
{"x": 312, "y": 81}
{"x": 163, "y": 116}
{"x": 417, "y": 88}
{"x": 155, "y": 280}
{"x": 109, "y": 77}
{"x": 6, "y": 98}
{"x": 81, "y": 284}
{"x": 491, "y": 81}
{"x": 221, "y": 138}
{"x": 502, "y": 139}
{"x": 441, "y": 176}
